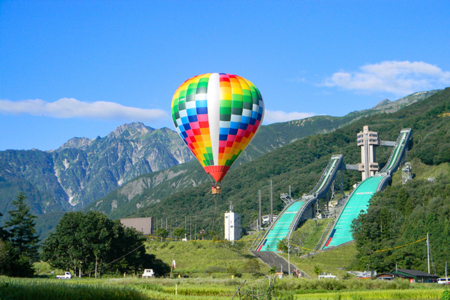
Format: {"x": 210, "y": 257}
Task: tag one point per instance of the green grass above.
{"x": 205, "y": 258}
{"x": 422, "y": 171}
{"x": 44, "y": 269}
{"x": 419, "y": 294}
{"x": 36, "y": 289}
{"x": 309, "y": 233}
{"x": 333, "y": 261}
{"x": 206, "y": 288}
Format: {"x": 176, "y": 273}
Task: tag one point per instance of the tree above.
{"x": 21, "y": 248}
{"x": 179, "y": 232}
{"x": 161, "y": 232}
{"x": 20, "y": 226}
{"x": 282, "y": 245}
{"x": 90, "y": 243}
{"x": 3, "y": 232}
{"x": 317, "y": 270}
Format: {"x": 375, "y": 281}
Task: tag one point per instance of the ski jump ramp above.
{"x": 359, "y": 199}
{"x": 300, "y": 209}
{"x": 303, "y": 208}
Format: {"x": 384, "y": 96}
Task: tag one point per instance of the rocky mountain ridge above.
{"x": 84, "y": 170}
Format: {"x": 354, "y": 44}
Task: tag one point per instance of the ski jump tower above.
{"x": 367, "y": 139}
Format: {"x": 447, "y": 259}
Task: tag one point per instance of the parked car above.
{"x": 66, "y": 275}
{"x": 148, "y": 273}
{"x": 443, "y": 281}
{"x": 328, "y": 276}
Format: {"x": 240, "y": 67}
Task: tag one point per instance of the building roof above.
{"x": 413, "y": 273}
{"x": 385, "y": 275}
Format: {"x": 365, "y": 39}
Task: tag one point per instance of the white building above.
{"x": 144, "y": 225}
{"x": 232, "y": 225}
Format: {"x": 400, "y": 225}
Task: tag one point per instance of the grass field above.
{"x": 309, "y": 233}
{"x": 205, "y": 288}
{"x": 422, "y": 171}
{"x": 419, "y": 294}
{"x": 213, "y": 259}
{"x": 334, "y": 261}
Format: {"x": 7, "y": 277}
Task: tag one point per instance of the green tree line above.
{"x": 402, "y": 215}
{"x": 86, "y": 243}
{"x": 301, "y": 163}
{"x": 90, "y": 243}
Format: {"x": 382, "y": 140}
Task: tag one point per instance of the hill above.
{"x": 147, "y": 189}
{"x": 404, "y": 214}
{"x": 300, "y": 163}
{"x": 83, "y": 170}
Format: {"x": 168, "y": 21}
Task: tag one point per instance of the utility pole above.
{"x": 428, "y": 252}
{"x": 171, "y": 265}
{"x": 166, "y": 223}
{"x": 185, "y": 224}
{"x": 446, "y": 278}
{"x": 271, "y": 203}
{"x": 259, "y": 216}
{"x": 289, "y": 256}
{"x": 195, "y": 225}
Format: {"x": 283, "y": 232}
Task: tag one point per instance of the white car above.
{"x": 148, "y": 273}
{"x": 443, "y": 281}
{"x": 66, "y": 275}
{"x": 328, "y": 276}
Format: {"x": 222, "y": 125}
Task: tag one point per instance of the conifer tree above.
{"x": 21, "y": 231}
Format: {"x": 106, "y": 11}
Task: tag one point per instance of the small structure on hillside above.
{"x": 144, "y": 225}
{"x": 407, "y": 173}
{"x": 232, "y": 225}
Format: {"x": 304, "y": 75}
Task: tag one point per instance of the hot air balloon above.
{"x": 217, "y": 115}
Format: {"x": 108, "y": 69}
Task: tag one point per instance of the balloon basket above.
{"x": 215, "y": 190}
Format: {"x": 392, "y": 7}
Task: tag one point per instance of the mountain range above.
{"x": 135, "y": 165}
{"x": 300, "y": 165}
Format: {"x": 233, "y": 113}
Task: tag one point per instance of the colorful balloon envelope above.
{"x": 217, "y": 115}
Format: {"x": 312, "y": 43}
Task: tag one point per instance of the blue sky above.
{"x": 82, "y": 68}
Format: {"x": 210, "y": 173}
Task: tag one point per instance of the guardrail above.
{"x": 396, "y": 156}
{"x": 325, "y": 176}
{"x": 337, "y": 166}
{"x": 340, "y": 213}
{"x": 273, "y": 223}
{"x": 327, "y": 230}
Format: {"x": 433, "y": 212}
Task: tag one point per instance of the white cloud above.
{"x": 396, "y": 77}
{"x": 71, "y": 108}
{"x": 281, "y": 116}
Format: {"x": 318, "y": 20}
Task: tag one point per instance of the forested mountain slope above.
{"x": 401, "y": 215}
{"x": 160, "y": 185}
{"x": 300, "y": 164}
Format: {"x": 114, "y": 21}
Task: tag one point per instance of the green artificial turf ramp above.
{"x": 327, "y": 176}
{"x": 281, "y": 227}
{"x": 359, "y": 200}
{"x": 397, "y": 151}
